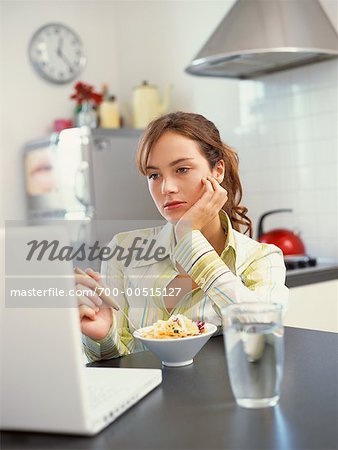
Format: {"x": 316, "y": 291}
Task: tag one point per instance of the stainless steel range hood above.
{"x": 258, "y": 37}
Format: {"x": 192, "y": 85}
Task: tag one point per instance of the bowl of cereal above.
{"x": 175, "y": 341}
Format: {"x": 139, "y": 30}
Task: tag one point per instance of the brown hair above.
{"x": 205, "y": 133}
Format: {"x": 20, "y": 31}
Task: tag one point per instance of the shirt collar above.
{"x": 227, "y": 227}
{"x": 166, "y": 239}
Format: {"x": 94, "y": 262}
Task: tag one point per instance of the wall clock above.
{"x": 56, "y": 53}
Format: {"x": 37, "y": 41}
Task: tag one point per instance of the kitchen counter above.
{"x": 313, "y": 297}
{"x": 194, "y": 407}
{"x": 324, "y": 271}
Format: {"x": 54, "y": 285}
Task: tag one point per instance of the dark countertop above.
{"x": 318, "y": 274}
{"x": 194, "y": 407}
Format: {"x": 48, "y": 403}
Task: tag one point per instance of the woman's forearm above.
{"x": 261, "y": 280}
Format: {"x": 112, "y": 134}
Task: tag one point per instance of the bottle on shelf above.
{"x": 109, "y": 114}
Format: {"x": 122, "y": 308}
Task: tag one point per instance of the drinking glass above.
{"x": 254, "y": 343}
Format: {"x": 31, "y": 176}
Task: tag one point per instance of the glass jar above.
{"x": 86, "y": 115}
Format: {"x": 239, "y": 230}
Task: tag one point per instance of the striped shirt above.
{"x": 246, "y": 270}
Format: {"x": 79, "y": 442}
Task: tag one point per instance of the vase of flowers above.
{"x": 87, "y": 101}
{"x": 86, "y": 115}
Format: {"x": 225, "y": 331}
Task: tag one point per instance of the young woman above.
{"x": 206, "y": 261}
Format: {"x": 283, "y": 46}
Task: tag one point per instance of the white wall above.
{"x": 126, "y": 42}
{"x": 283, "y": 125}
{"x": 158, "y": 39}
{"x": 31, "y": 104}
{"x": 287, "y": 142}
{"x": 287, "y": 139}
{"x": 1, "y": 116}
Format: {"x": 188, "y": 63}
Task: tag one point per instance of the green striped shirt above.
{"x": 246, "y": 270}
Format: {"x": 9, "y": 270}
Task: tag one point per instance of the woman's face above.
{"x": 174, "y": 170}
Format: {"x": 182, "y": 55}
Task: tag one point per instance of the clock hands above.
{"x": 67, "y": 62}
{"x": 59, "y": 49}
{"x": 60, "y": 53}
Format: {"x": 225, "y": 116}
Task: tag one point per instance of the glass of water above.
{"x": 254, "y": 343}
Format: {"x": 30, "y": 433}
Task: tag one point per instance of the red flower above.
{"x": 85, "y": 92}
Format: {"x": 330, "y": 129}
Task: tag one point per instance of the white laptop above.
{"x": 44, "y": 383}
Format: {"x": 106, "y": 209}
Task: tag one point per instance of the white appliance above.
{"x": 81, "y": 172}
{"x": 88, "y": 177}
{"x": 44, "y": 384}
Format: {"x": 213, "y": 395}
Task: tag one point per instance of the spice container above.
{"x": 109, "y": 113}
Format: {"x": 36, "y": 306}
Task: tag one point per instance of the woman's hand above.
{"x": 204, "y": 210}
{"x": 95, "y": 317}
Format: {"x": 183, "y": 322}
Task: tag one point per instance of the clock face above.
{"x": 56, "y": 53}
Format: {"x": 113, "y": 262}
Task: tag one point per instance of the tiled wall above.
{"x": 287, "y": 143}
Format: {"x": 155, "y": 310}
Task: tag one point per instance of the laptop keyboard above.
{"x": 113, "y": 391}
{"x": 101, "y": 395}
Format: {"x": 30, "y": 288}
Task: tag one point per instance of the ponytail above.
{"x": 232, "y": 184}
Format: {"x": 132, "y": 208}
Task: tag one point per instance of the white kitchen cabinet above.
{"x": 314, "y": 306}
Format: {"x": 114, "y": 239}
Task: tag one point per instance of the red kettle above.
{"x": 286, "y": 240}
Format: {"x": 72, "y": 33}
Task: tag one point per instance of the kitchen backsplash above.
{"x": 287, "y": 144}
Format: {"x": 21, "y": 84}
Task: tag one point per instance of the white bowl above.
{"x": 176, "y": 352}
